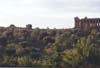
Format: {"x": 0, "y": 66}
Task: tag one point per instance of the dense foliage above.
{"x": 63, "y": 48}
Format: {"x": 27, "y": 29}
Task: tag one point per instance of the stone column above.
{"x": 82, "y": 24}
{"x": 95, "y": 23}
{"x": 86, "y": 24}
{"x": 98, "y": 23}
{"x": 77, "y": 22}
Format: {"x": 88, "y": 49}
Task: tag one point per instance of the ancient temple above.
{"x": 87, "y": 23}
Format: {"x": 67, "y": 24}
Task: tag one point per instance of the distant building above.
{"x": 87, "y": 23}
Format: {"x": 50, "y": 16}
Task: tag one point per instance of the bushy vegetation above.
{"x": 50, "y": 48}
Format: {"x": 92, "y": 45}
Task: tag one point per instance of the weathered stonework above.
{"x": 87, "y": 23}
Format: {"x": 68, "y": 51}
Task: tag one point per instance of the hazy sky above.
{"x": 46, "y": 13}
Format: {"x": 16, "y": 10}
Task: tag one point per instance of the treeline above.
{"x": 63, "y": 48}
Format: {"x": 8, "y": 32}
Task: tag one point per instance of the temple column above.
{"x": 77, "y": 22}
{"x": 86, "y": 25}
{"x": 94, "y": 23}
{"x": 98, "y": 24}
{"x": 82, "y": 24}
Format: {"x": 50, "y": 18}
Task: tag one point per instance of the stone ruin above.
{"x": 87, "y": 23}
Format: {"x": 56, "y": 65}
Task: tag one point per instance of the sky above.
{"x": 46, "y": 13}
